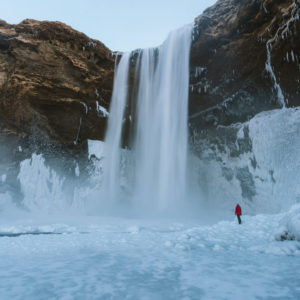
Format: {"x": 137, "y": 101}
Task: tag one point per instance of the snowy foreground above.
{"x": 113, "y": 258}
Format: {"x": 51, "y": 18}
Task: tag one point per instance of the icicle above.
{"x": 269, "y": 69}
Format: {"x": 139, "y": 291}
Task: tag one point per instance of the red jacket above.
{"x": 238, "y": 210}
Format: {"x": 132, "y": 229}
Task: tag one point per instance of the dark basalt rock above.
{"x": 229, "y": 81}
{"x": 245, "y": 59}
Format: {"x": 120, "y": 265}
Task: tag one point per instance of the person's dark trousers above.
{"x": 239, "y": 219}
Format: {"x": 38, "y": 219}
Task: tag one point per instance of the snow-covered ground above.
{"x": 115, "y": 258}
{"x": 73, "y": 256}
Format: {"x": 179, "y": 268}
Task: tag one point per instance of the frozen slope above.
{"x": 105, "y": 258}
{"x": 256, "y": 163}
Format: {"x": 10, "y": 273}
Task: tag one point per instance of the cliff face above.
{"x": 56, "y": 85}
{"x": 245, "y": 59}
{"x": 55, "y": 88}
{"x": 55, "y": 82}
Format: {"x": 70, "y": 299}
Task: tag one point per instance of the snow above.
{"x": 43, "y": 189}
{"x": 101, "y": 110}
{"x": 96, "y": 148}
{"x": 5, "y": 202}
{"x": 78, "y": 131}
{"x": 265, "y": 10}
{"x": 92, "y": 43}
{"x": 284, "y": 29}
{"x": 292, "y": 56}
{"x": 199, "y": 71}
{"x": 57, "y": 252}
{"x": 272, "y": 163}
{"x": 77, "y": 170}
{"x": 240, "y": 134}
{"x": 277, "y": 154}
{"x": 97, "y": 93}
{"x": 113, "y": 258}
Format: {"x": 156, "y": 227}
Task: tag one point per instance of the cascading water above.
{"x": 111, "y": 174}
{"x": 160, "y": 128}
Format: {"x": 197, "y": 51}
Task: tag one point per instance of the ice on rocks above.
{"x": 289, "y": 228}
{"x": 102, "y": 112}
{"x": 95, "y": 148}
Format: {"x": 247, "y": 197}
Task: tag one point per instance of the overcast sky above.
{"x": 120, "y": 24}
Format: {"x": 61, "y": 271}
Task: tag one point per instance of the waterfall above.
{"x": 159, "y": 128}
{"x": 111, "y": 179}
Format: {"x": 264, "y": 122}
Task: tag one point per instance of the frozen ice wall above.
{"x": 41, "y": 187}
{"x": 260, "y": 169}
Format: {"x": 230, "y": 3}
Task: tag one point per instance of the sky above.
{"x": 122, "y": 25}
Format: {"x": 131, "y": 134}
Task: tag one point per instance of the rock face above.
{"x": 55, "y": 83}
{"x": 245, "y": 59}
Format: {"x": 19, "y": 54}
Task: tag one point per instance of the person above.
{"x": 238, "y": 212}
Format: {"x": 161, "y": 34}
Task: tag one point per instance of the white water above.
{"x": 156, "y": 177}
{"x": 111, "y": 182}
{"x": 160, "y": 146}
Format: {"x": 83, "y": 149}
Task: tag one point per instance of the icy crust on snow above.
{"x": 264, "y": 175}
{"x": 289, "y": 228}
{"x": 17, "y": 230}
{"x": 113, "y": 258}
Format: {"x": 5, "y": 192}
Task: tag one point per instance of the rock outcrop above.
{"x": 55, "y": 83}
{"x": 245, "y": 59}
